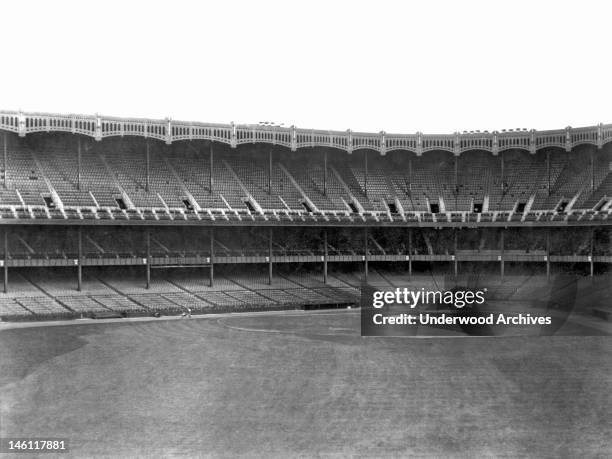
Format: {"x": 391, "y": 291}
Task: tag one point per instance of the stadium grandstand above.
{"x": 249, "y": 217}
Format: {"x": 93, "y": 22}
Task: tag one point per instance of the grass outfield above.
{"x": 289, "y": 385}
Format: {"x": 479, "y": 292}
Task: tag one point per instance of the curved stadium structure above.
{"x": 236, "y": 217}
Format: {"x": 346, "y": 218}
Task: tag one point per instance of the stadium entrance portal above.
{"x": 250, "y": 206}
{"x": 561, "y": 207}
{"x": 307, "y": 207}
{"x": 49, "y": 202}
{"x": 187, "y": 204}
{"x": 121, "y": 203}
{"x": 606, "y": 202}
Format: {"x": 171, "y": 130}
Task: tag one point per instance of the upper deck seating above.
{"x": 113, "y": 175}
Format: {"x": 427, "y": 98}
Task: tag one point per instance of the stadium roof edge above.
{"x": 169, "y": 131}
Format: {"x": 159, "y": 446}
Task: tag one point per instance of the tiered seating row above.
{"x": 178, "y": 178}
{"x": 168, "y": 299}
{"x": 9, "y": 307}
{"x": 41, "y": 305}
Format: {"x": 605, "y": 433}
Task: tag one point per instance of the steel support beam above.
{"x": 270, "y": 256}
{"x": 456, "y": 262}
{"x": 456, "y": 173}
{"x": 325, "y": 255}
{"x": 456, "y": 180}
{"x": 210, "y": 169}
{"x": 79, "y": 164}
{"x": 6, "y": 257}
{"x": 148, "y": 260}
{"x": 410, "y": 176}
{"x": 410, "y": 253}
{"x": 5, "y": 142}
{"x": 147, "y": 166}
{"x": 270, "y": 173}
{"x": 365, "y": 253}
{"x": 548, "y": 171}
{"x": 80, "y": 259}
{"x": 592, "y": 170}
{"x": 325, "y": 173}
{"x": 548, "y": 254}
{"x": 365, "y": 181}
{"x": 501, "y": 248}
{"x": 211, "y": 275}
{"x": 501, "y": 160}
{"x": 591, "y": 262}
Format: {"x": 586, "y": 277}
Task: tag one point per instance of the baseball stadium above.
{"x": 177, "y": 288}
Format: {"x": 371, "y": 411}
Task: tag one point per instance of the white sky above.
{"x": 402, "y": 67}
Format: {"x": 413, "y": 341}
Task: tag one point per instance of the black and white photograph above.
{"x": 290, "y": 229}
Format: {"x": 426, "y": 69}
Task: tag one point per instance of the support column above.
{"x": 6, "y": 257}
{"x": 548, "y": 253}
{"x": 365, "y": 182}
{"x": 210, "y": 172}
{"x": 456, "y": 264}
{"x": 211, "y": 276}
{"x": 548, "y": 171}
{"x": 592, "y": 170}
{"x": 501, "y": 160}
{"x": 80, "y": 259}
{"x": 270, "y": 174}
{"x": 456, "y": 179}
{"x": 5, "y": 142}
{"x": 501, "y": 247}
{"x": 591, "y": 262}
{"x": 148, "y": 267}
{"x": 325, "y": 173}
{"x": 410, "y": 253}
{"x": 147, "y": 172}
{"x": 79, "y": 164}
{"x": 270, "y": 256}
{"x": 365, "y": 254}
{"x": 410, "y": 175}
{"x": 325, "y": 255}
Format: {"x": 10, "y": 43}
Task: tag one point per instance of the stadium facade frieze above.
{"x": 293, "y": 138}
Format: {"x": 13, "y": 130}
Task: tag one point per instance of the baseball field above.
{"x": 299, "y": 384}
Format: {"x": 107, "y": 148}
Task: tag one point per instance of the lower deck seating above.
{"x": 41, "y": 305}
{"x": 9, "y": 307}
{"x": 41, "y": 296}
{"x": 118, "y": 303}
{"x": 307, "y": 290}
{"x": 82, "y": 304}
